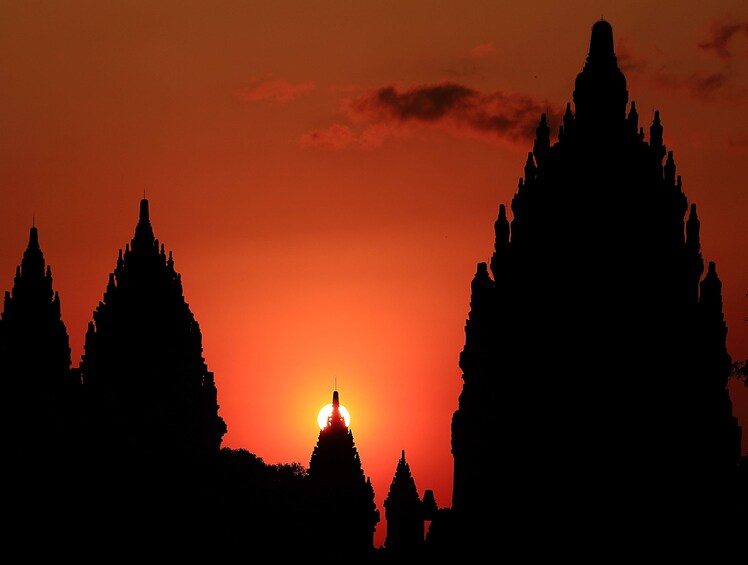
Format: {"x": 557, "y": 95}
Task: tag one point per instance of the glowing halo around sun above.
{"x": 325, "y": 413}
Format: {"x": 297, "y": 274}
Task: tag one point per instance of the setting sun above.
{"x": 326, "y": 411}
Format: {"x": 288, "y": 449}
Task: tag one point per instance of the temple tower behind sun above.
{"x": 347, "y": 514}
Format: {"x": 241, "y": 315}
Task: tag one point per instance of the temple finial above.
{"x": 144, "y": 215}
{"x": 33, "y": 236}
{"x": 601, "y": 42}
{"x": 143, "y": 230}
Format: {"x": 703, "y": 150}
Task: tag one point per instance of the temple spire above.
{"x": 633, "y": 119}
{"x": 655, "y": 137}
{"x": 32, "y": 263}
{"x": 144, "y": 230}
{"x": 336, "y": 418}
{"x": 600, "y": 93}
{"x": 693, "y": 226}
{"x": 144, "y": 215}
{"x": 601, "y": 44}
{"x": 33, "y": 237}
{"x": 501, "y": 245}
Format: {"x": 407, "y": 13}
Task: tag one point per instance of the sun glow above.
{"x": 326, "y": 411}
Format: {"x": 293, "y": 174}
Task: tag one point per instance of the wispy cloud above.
{"x": 704, "y": 86}
{"x": 341, "y": 136}
{"x": 392, "y": 110}
{"x": 721, "y": 38}
{"x": 471, "y": 64}
{"x": 335, "y": 136}
{"x": 278, "y": 90}
{"x": 629, "y": 61}
{"x": 482, "y": 50}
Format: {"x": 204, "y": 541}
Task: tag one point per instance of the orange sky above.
{"x": 325, "y": 219}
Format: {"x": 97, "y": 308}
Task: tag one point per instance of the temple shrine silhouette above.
{"x": 594, "y": 412}
{"x": 595, "y": 366}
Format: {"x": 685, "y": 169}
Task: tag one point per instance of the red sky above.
{"x": 327, "y": 175}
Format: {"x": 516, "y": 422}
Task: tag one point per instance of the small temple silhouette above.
{"x": 406, "y": 513}
{"x": 594, "y": 414}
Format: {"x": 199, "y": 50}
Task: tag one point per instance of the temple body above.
{"x": 595, "y": 367}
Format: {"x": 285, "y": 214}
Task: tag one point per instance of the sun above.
{"x": 325, "y": 413}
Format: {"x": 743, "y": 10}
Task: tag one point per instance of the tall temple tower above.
{"x": 594, "y": 367}
{"x": 40, "y": 396}
{"x": 143, "y": 371}
{"x": 343, "y": 495}
{"x": 38, "y": 382}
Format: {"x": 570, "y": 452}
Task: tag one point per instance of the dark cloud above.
{"x": 628, "y": 60}
{"x": 721, "y": 36}
{"x": 506, "y": 116}
{"x": 704, "y": 86}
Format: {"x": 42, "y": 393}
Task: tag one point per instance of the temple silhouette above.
{"x": 341, "y": 491}
{"x": 406, "y": 513}
{"x": 594, "y": 413}
{"x": 144, "y": 327}
{"x": 594, "y": 366}
{"x": 39, "y": 383}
